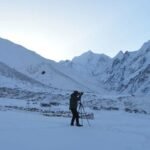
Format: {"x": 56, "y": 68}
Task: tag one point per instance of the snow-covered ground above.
{"x": 115, "y": 130}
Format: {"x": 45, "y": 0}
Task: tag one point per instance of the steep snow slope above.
{"x": 130, "y": 72}
{"x": 14, "y": 79}
{"x": 16, "y": 56}
{"x": 57, "y": 76}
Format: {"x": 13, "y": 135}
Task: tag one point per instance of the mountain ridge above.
{"x": 125, "y": 73}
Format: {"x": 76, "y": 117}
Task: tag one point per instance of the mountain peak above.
{"x": 119, "y": 55}
{"x": 90, "y": 57}
{"x": 89, "y": 52}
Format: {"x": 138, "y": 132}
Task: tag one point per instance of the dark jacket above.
{"x": 74, "y": 99}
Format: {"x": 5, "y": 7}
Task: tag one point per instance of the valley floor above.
{"x": 108, "y": 131}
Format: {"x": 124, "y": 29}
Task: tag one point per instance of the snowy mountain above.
{"x": 89, "y": 64}
{"x": 130, "y": 72}
{"x": 89, "y": 68}
{"x": 126, "y": 73}
{"x": 33, "y": 65}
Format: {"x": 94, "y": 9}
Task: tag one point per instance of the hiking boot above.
{"x": 79, "y": 125}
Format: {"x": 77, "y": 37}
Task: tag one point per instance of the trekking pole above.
{"x": 85, "y": 115}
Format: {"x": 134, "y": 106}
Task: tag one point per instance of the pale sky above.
{"x": 62, "y": 29}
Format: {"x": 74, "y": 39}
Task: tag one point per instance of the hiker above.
{"x": 75, "y": 99}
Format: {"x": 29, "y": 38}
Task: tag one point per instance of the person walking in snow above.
{"x": 75, "y": 99}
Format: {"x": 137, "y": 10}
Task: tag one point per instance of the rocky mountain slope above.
{"x": 130, "y": 72}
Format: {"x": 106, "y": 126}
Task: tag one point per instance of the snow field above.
{"x": 109, "y": 131}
